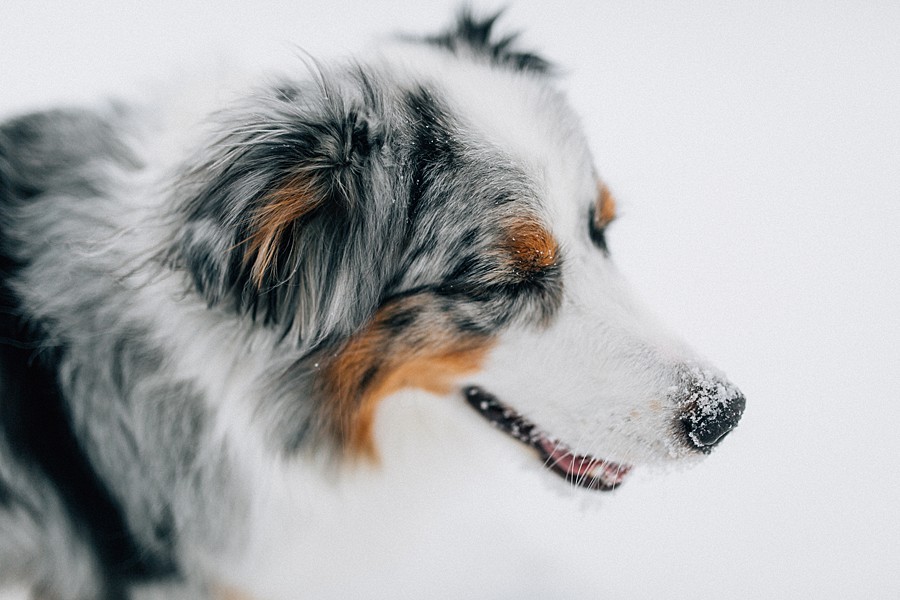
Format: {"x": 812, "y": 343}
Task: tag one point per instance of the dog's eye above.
{"x": 596, "y": 230}
{"x": 602, "y": 213}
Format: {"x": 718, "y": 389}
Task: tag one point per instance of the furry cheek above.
{"x": 426, "y": 353}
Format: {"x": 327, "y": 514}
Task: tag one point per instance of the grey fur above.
{"x": 149, "y": 435}
{"x": 415, "y": 206}
{"x": 333, "y": 132}
{"x": 145, "y": 434}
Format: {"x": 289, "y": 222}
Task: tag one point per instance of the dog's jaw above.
{"x": 580, "y": 470}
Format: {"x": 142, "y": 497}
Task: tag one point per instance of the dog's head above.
{"x": 431, "y": 218}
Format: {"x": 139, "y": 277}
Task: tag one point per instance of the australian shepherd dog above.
{"x": 226, "y": 316}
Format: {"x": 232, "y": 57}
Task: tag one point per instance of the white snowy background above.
{"x": 755, "y": 151}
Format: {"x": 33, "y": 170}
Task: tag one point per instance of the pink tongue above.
{"x": 570, "y": 463}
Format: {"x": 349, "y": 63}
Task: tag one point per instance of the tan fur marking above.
{"x": 531, "y": 246}
{"x": 376, "y": 363}
{"x": 434, "y": 374}
{"x": 279, "y": 211}
{"x": 606, "y": 207}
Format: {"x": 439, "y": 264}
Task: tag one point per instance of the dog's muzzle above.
{"x": 711, "y": 408}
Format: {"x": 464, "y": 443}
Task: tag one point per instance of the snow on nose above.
{"x": 711, "y": 405}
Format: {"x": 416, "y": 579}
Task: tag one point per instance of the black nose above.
{"x": 713, "y": 408}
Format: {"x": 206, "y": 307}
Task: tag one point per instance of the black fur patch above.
{"x": 435, "y": 147}
{"x": 476, "y": 35}
{"x": 39, "y": 431}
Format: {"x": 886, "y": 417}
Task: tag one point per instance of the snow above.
{"x": 754, "y": 150}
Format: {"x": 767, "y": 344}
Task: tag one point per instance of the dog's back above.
{"x": 59, "y": 526}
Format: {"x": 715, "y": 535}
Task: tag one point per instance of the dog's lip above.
{"x": 580, "y": 470}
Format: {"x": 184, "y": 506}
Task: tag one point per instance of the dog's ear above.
{"x": 277, "y": 213}
{"x": 475, "y": 35}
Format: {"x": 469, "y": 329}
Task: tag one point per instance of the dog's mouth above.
{"x": 582, "y": 471}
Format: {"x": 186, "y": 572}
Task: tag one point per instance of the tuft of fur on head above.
{"x": 474, "y": 37}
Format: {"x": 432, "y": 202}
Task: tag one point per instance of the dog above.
{"x": 218, "y": 317}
